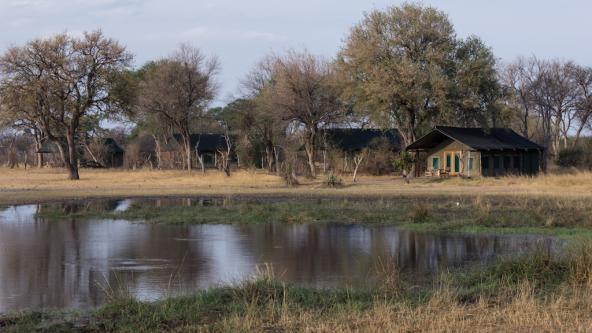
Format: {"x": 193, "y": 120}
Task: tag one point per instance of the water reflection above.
{"x": 67, "y": 263}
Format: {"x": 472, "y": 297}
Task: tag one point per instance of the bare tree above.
{"x": 555, "y": 95}
{"x": 66, "y": 81}
{"x": 358, "y": 159}
{"x": 176, "y": 92}
{"x": 583, "y": 80}
{"x": 224, "y": 153}
{"x": 519, "y": 78}
{"x": 268, "y": 125}
{"x": 305, "y": 93}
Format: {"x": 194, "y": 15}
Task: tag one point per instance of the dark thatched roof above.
{"x": 355, "y": 139}
{"x": 111, "y": 147}
{"x": 205, "y": 143}
{"x": 48, "y": 147}
{"x": 476, "y": 138}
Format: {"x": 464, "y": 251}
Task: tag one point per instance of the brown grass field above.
{"x": 41, "y": 185}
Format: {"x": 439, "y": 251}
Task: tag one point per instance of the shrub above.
{"x": 420, "y": 213}
{"x": 403, "y": 162}
{"x": 571, "y": 157}
{"x": 333, "y": 180}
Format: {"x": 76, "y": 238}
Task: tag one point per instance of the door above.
{"x": 435, "y": 163}
{"x": 456, "y": 163}
{"x": 448, "y": 162}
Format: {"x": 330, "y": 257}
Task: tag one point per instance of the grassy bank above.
{"x": 538, "y": 293}
{"x": 42, "y": 185}
{"x": 553, "y": 216}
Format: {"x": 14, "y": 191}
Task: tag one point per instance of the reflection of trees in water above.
{"x": 332, "y": 254}
{"x": 59, "y": 263}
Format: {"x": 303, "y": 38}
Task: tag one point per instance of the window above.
{"x": 448, "y": 161}
{"x": 496, "y": 162}
{"x": 435, "y": 163}
{"x": 470, "y": 163}
{"x": 456, "y": 162}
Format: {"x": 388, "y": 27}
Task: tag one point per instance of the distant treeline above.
{"x": 402, "y": 68}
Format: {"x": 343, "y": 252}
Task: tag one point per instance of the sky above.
{"x": 240, "y": 32}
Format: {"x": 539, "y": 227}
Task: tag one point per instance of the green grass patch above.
{"x": 566, "y": 218}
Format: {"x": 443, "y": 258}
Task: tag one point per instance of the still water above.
{"x": 68, "y": 263}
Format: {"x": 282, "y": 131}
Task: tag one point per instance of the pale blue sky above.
{"x": 240, "y": 32}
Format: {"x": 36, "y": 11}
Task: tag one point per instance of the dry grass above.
{"x": 18, "y": 185}
{"x": 525, "y": 313}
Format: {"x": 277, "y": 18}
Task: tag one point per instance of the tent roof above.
{"x": 205, "y": 142}
{"x": 110, "y": 145}
{"x": 476, "y": 138}
{"x": 353, "y": 139}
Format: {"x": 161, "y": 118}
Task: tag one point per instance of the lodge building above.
{"x": 473, "y": 152}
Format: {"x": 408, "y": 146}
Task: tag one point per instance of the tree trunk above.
{"x": 201, "y": 161}
{"x": 224, "y": 161}
{"x": 276, "y": 155}
{"x": 39, "y": 160}
{"x": 310, "y": 153}
{"x": 269, "y": 157}
{"x": 72, "y": 161}
{"x": 225, "y": 154}
{"x": 158, "y": 152}
{"x": 188, "y": 152}
{"x": 12, "y": 158}
{"x": 37, "y": 148}
{"x": 357, "y": 162}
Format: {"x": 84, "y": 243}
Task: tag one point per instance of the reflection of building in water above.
{"x": 64, "y": 263}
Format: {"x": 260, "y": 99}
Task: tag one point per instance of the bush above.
{"x": 333, "y": 180}
{"x": 571, "y": 157}
{"x": 403, "y": 162}
{"x": 577, "y": 157}
{"x": 420, "y": 213}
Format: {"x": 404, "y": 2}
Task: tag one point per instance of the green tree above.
{"x": 475, "y": 92}
{"x": 404, "y": 68}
